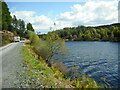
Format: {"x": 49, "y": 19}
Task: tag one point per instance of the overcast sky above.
{"x": 65, "y": 14}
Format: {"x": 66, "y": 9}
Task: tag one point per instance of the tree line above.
{"x": 82, "y": 33}
{"x": 17, "y": 26}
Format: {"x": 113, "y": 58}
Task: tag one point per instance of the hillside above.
{"x": 37, "y": 74}
{"x": 83, "y": 33}
{"x": 7, "y": 37}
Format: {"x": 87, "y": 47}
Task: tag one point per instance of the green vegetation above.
{"x": 53, "y": 46}
{"x": 41, "y": 73}
{"x": 29, "y": 27}
{"x": 41, "y": 58}
{"x": 82, "y": 33}
{"x": 12, "y": 25}
{"x": 6, "y": 18}
{"x": 19, "y": 27}
{"x": 34, "y": 39}
{"x": 9, "y": 23}
{"x": 6, "y": 37}
{"x": 37, "y": 74}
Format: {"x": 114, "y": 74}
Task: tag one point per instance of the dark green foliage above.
{"x": 6, "y": 18}
{"x": 19, "y": 27}
{"x": 0, "y": 15}
{"x": 82, "y": 33}
{"x": 29, "y": 27}
{"x": 13, "y": 24}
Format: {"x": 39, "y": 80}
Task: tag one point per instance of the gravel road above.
{"x": 10, "y": 59}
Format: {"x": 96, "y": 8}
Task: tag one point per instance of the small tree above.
{"x": 56, "y": 47}
{"x": 52, "y": 49}
{"x": 34, "y": 39}
{"x": 30, "y": 27}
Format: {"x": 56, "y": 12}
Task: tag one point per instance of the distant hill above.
{"x": 96, "y": 33}
{"x": 106, "y": 26}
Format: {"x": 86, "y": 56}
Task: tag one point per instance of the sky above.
{"x": 43, "y": 15}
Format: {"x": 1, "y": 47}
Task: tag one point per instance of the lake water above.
{"x": 99, "y": 60}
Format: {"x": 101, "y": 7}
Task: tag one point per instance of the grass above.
{"x": 37, "y": 74}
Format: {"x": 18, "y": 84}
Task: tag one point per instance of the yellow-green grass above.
{"x": 38, "y": 74}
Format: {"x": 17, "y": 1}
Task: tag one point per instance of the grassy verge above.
{"x": 38, "y": 75}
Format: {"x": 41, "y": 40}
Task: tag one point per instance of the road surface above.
{"x": 10, "y": 59}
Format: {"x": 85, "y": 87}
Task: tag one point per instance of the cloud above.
{"x": 92, "y": 13}
{"x": 23, "y": 14}
{"x": 39, "y": 23}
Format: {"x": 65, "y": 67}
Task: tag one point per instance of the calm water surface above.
{"x": 99, "y": 60}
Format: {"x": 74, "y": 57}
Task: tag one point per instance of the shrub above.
{"x": 85, "y": 82}
{"x": 60, "y": 67}
{"x": 52, "y": 47}
{"x": 6, "y": 38}
{"x": 56, "y": 47}
{"x": 34, "y": 39}
{"x": 42, "y": 51}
